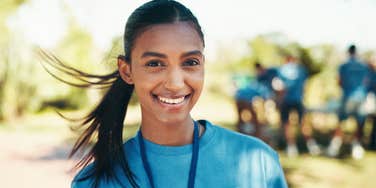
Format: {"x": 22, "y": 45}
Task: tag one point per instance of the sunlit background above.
{"x": 87, "y": 34}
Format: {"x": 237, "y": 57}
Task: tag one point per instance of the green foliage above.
{"x": 265, "y": 51}
{"x": 272, "y": 49}
{"x": 18, "y": 89}
{"x": 77, "y": 49}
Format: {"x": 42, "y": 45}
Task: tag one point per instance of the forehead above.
{"x": 169, "y": 38}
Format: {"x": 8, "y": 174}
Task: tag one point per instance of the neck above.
{"x": 176, "y": 134}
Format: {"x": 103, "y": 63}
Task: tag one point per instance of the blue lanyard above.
{"x": 192, "y": 170}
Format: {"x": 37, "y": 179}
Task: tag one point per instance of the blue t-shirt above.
{"x": 372, "y": 81}
{"x": 353, "y": 75}
{"x": 266, "y": 77}
{"x": 246, "y": 93}
{"x": 293, "y": 76}
{"x": 226, "y": 159}
{"x": 253, "y": 89}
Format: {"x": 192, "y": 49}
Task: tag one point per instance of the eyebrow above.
{"x": 160, "y": 55}
{"x": 153, "y": 54}
{"x": 194, "y": 52}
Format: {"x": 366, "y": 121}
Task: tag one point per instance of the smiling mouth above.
{"x": 171, "y": 101}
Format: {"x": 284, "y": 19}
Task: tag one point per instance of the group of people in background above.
{"x": 284, "y": 87}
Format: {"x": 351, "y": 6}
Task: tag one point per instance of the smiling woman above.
{"x": 164, "y": 64}
{"x": 167, "y": 70}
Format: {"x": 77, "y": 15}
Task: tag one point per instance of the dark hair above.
{"x": 352, "y": 49}
{"x": 258, "y": 65}
{"x": 106, "y": 121}
{"x": 156, "y": 12}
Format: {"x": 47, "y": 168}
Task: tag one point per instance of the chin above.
{"x": 174, "y": 119}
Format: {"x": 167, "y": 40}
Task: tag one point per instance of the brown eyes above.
{"x": 191, "y": 62}
{"x": 156, "y": 63}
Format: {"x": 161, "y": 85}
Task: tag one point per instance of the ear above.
{"x": 124, "y": 70}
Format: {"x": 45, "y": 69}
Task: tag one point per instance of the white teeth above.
{"x": 171, "y": 101}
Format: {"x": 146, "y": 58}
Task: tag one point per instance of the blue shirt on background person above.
{"x": 372, "y": 81}
{"x": 293, "y": 76}
{"x": 247, "y": 88}
{"x": 266, "y": 78}
{"x": 247, "y": 93}
{"x": 353, "y": 79}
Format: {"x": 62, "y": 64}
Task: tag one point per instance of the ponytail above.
{"x": 105, "y": 122}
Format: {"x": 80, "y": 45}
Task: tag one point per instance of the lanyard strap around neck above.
{"x": 192, "y": 170}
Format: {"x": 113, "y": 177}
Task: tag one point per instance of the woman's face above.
{"x": 167, "y": 70}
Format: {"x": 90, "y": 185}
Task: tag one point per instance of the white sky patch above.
{"x": 310, "y": 22}
{"x": 339, "y": 22}
{"x": 40, "y": 22}
{"x": 103, "y": 19}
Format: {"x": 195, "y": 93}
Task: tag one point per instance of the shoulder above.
{"x": 84, "y": 177}
{"x": 250, "y": 152}
{"x": 343, "y": 66}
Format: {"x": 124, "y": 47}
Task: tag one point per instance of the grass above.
{"x": 307, "y": 171}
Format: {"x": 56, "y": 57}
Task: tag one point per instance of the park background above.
{"x": 35, "y": 141}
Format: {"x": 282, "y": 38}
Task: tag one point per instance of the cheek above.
{"x": 196, "y": 80}
{"x": 142, "y": 84}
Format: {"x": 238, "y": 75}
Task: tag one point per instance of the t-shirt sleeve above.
{"x": 275, "y": 175}
{"x": 82, "y": 183}
{"x": 79, "y": 181}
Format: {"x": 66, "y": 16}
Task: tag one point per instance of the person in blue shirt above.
{"x": 265, "y": 77}
{"x": 372, "y": 89}
{"x": 353, "y": 80}
{"x": 267, "y": 102}
{"x": 247, "y": 91}
{"x": 292, "y": 76}
{"x": 164, "y": 64}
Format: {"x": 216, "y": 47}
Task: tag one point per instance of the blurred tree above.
{"x": 18, "y": 84}
{"x": 4, "y": 74}
{"x": 303, "y": 55}
{"x": 25, "y": 86}
{"x": 265, "y": 49}
{"x": 7, "y": 8}
{"x": 78, "y": 50}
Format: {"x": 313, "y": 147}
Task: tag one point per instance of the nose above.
{"x": 174, "y": 79}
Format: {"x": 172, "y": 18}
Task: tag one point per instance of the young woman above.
{"x": 164, "y": 64}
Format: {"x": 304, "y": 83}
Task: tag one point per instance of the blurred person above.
{"x": 372, "y": 92}
{"x": 245, "y": 94}
{"x": 353, "y": 80}
{"x": 248, "y": 95}
{"x": 292, "y": 77}
{"x": 164, "y": 64}
{"x": 265, "y": 76}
